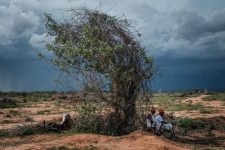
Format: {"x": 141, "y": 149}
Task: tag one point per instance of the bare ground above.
{"x": 136, "y": 140}
{"x": 133, "y": 141}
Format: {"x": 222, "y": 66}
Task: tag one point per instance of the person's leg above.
{"x": 160, "y": 129}
{"x": 168, "y": 126}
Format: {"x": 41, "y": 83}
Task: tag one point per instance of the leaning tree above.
{"x": 102, "y": 52}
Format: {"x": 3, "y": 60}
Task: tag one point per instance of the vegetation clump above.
{"x": 103, "y": 55}
{"x": 215, "y": 96}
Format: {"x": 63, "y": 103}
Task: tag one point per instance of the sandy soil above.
{"x": 215, "y": 106}
{"x": 39, "y": 112}
{"x": 133, "y": 141}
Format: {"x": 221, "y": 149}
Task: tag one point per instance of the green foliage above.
{"x": 87, "y": 119}
{"x": 184, "y": 106}
{"x": 74, "y": 148}
{"x": 28, "y": 119}
{"x": 7, "y": 121}
{"x": 43, "y": 112}
{"x": 9, "y": 103}
{"x": 188, "y": 124}
{"x": 103, "y": 53}
{"x": 215, "y": 96}
{"x": 23, "y": 131}
{"x": 58, "y": 148}
{"x": 205, "y": 111}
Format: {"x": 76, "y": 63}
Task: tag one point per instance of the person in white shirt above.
{"x": 150, "y": 119}
{"x": 161, "y": 125}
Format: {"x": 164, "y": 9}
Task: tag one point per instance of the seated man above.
{"x": 161, "y": 125}
{"x": 150, "y": 119}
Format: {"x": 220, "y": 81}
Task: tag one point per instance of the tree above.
{"x": 104, "y": 53}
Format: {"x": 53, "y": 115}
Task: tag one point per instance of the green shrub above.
{"x": 187, "y": 124}
{"x": 8, "y": 103}
{"x": 43, "y": 112}
{"x": 215, "y": 96}
{"x": 90, "y": 120}
{"x": 74, "y": 148}
{"x": 58, "y": 148}
{"x": 205, "y": 111}
{"x": 4, "y": 133}
{"x": 29, "y": 119}
{"x": 7, "y": 121}
{"x": 184, "y": 106}
{"x": 87, "y": 120}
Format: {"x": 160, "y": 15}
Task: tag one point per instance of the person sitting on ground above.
{"x": 150, "y": 119}
{"x": 161, "y": 124}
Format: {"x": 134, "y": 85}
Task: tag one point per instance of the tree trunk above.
{"x": 126, "y": 110}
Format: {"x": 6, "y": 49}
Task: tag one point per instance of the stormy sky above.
{"x": 185, "y": 37}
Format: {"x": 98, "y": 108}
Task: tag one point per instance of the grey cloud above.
{"x": 186, "y": 34}
{"x": 185, "y": 37}
{"x": 15, "y": 24}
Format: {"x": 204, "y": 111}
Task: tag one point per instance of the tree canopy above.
{"x": 104, "y": 52}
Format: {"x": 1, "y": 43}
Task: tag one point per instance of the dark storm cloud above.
{"x": 185, "y": 37}
{"x": 186, "y": 34}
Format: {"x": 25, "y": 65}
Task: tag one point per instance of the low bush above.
{"x": 187, "y": 124}
{"x": 184, "y": 106}
{"x": 74, "y": 148}
{"x": 91, "y": 119}
{"x": 8, "y": 103}
{"x": 215, "y": 96}
{"x": 28, "y": 119}
{"x": 87, "y": 120}
{"x": 205, "y": 111}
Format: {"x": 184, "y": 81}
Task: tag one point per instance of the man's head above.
{"x": 152, "y": 110}
{"x": 161, "y": 111}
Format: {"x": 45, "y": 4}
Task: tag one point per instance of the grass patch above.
{"x": 24, "y": 131}
{"x": 184, "y": 106}
{"x": 7, "y": 121}
{"x": 9, "y": 103}
{"x": 187, "y": 124}
{"x": 215, "y": 96}
{"x": 205, "y": 111}
{"x": 208, "y": 111}
{"x": 43, "y": 112}
{"x": 166, "y": 100}
{"x": 28, "y": 119}
{"x": 14, "y": 113}
{"x": 74, "y": 148}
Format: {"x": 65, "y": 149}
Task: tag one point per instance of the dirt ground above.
{"x": 216, "y": 108}
{"x": 49, "y": 110}
{"x": 133, "y": 141}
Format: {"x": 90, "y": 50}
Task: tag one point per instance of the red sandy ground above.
{"x": 133, "y": 141}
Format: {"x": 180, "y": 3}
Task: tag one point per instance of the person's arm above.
{"x": 149, "y": 117}
{"x": 164, "y": 122}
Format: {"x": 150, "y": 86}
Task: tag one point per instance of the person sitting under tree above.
{"x": 150, "y": 119}
{"x": 161, "y": 124}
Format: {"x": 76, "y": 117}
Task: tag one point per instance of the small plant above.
{"x": 215, "y": 96}
{"x": 184, "y": 106}
{"x": 8, "y": 116}
{"x": 8, "y": 102}
{"x": 87, "y": 121}
{"x": 74, "y": 148}
{"x": 7, "y": 121}
{"x": 43, "y": 112}
{"x": 188, "y": 124}
{"x": 29, "y": 119}
{"x": 205, "y": 111}
{"x": 58, "y": 148}
{"x": 14, "y": 112}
